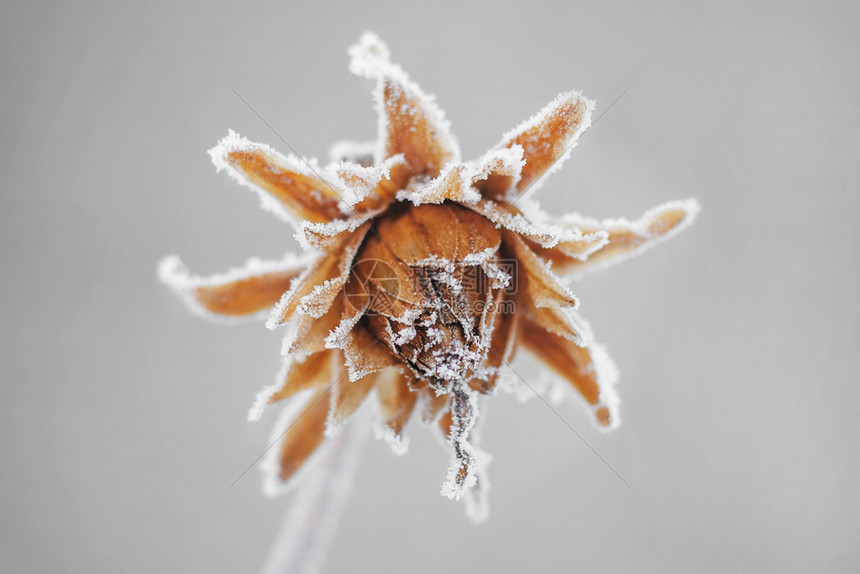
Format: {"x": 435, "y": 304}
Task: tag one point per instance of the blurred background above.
{"x": 122, "y": 417}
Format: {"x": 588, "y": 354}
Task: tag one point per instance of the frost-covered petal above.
{"x": 298, "y": 374}
{"x": 535, "y": 279}
{"x": 410, "y": 122}
{"x": 500, "y": 171}
{"x": 546, "y": 139}
{"x": 460, "y": 181}
{"x": 326, "y": 236}
{"x": 535, "y": 227}
{"x": 383, "y": 280}
{"x": 561, "y": 321}
{"x": 346, "y": 397}
{"x": 313, "y": 292}
{"x": 452, "y": 184}
{"x": 624, "y": 238}
{"x": 503, "y": 347}
{"x": 588, "y": 369}
{"x": 241, "y": 292}
{"x": 287, "y": 186}
{"x": 304, "y": 435}
{"x": 366, "y": 188}
{"x": 365, "y": 353}
{"x": 431, "y": 235}
{"x": 396, "y": 403}
{"x": 311, "y": 333}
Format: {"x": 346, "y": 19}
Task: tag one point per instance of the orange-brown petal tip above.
{"x": 548, "y": 136}
{"x": 239, "y": 293}
{"x": 287, "y": 186}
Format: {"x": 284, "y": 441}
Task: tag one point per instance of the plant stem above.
{"x": 312, "y": 519}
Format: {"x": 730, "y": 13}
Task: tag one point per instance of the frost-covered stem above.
{"x": 312, "y": 519}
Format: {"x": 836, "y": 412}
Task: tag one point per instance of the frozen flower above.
{"x": 424, "y": 273}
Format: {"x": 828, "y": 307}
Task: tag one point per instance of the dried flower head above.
{"x": 425, "y": 274}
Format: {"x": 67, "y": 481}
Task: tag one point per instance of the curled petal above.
{"x": 410, "y": 122}
{"x": 535, "y": 228}
{"x": 311, "y": 333}
{"x": 346, "y": 397}
{"x": 385, "y": 282}
{"x": 546, "y": 139}
{"x": 298, "y": 374}
{"x": 303, "y": 374}
{"x": 314, "y": 291}
{"x": 327, "y": 236}
{"x": 440, "y": 233}
{"x": 287, "y": 186}
{"x": 503, "y": 347}
{"x": 460, "y": 182}
{"x": 588, "y": 369}
{"x": 239, "y": 293}
{"x": 304, "y": 435}
{"x": 366, "y": 353}
{"x": 367, "y": 188}
{"x": 396, "y": 403}
{"x": 535, "y": 280}
{"x": 561, "y": 321}
{"x": 624, "y": 238}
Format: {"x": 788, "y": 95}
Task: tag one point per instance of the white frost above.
{"x": 370, "y": 58}
{"x": 176, "y": 275}
{"x": 537, "y": 119}
{"x": 270, "y": 465}
{"x": 640, "y": 226}
{"x": 278, "y": 162}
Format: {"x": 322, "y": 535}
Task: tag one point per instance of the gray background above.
{"x": 123, "y": 418}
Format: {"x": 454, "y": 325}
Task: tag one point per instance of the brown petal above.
{"x": 305, "y": 373}
{"x": 295, "y": 186}
{"x": 327, "y": 236}
{"x": 446, "y": 231}
{"x": 347, "y": 396}
{"x": 414, "y": 127}
{"x": 445, "y": 422}
{"x": 305, "y": 435}
{"x": 311, "y": 332}
{"x": 625, "y": 238}
{"x": 396, "y": 400}
{"x": 315, "y": 291}
{"x": 574, "y": 363}
{"x": 502, "y": 171}
{"x": 390, "y": 285}
{"x": 377, "y": 185}
{"x": 366, "y": 353}
{"x": 503, "y": 347}
{"x": 411, "y": 122}
{"x": 558, "y": 321}
{"x": 568, "y": 239}
{"x": 241, "y": 292}
{"x": 544, "y": 139}
{"x": 534, "y": 279}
